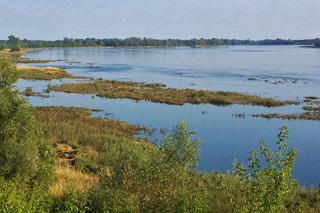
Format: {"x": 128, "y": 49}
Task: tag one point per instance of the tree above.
{"x": 14, "y": 43}
{"x": 181, "y": 147}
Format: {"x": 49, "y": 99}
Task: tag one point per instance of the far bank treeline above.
{"x": 15, "y": 43}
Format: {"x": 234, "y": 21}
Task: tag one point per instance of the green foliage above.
{"x": 14, "y": 198}
{"x": 2, "y": 46}
{"x": 25, "y": 158}
{"x": 267, "y": 185}
{"x": 71, "y": 202}
{"x": 14, "y": 43}
{"x": 111, "y": 200}
{"x": 180, "y": 147}
{"x": 134, "y": 176}
{"x": 11, "y": 199}
{"x": 164, "y": 180}
{"x": 8, "y": 74}
{"x": 28, "y": 91}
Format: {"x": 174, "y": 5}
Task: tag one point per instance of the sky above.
{"x": 185, "y": 19}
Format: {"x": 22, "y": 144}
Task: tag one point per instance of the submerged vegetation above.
{"x": 161, "y": 94}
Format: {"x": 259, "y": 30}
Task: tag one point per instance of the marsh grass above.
{"x": 310, "y": 113}
{"x": 312, "y": 108}
{"x": 43, "y": 73}
{"x": 90, "y": 137}
{"x": 302, "y": 116}
{"x": 29, "y": 92}
{"x": 161, "y": 94}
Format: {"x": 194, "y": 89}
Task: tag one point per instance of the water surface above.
{"x": 281, "y": 71}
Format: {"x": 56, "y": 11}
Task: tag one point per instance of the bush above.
{"x": 266, "y": 188}
{"x": 181, "y": 147}
{"x": 71, "y": 202}
{"x": 26, "y": 159}
{"x": 28, "y": 91}
{"x": 14, "y": 198}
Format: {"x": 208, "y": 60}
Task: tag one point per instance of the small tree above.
{"x": 267, "y": 185}
{"x": 180, "y": 147}
{"x": 14, "y": 43}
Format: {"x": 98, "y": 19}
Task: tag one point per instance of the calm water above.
{"x": 281, "y": 71}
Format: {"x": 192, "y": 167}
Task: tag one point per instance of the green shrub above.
{"x": 268, "y": 185}
{"x": 26, "y": 159}
{"x": 28, "y": 91}
{"x": 71, "y": 202}
{"x": 24, "y": 154}
{"x": 180, "y": 147}
{"x": 14, "y": 198}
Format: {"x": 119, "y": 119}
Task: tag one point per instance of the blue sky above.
{"x": 254, "y": 19}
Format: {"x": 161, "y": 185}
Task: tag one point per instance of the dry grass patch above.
{"x": 68, "y": 178}
{"x": 43, "y": 73}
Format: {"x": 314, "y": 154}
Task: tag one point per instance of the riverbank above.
{"x": 17, "y": 57}
{"x": 93, "y": 152}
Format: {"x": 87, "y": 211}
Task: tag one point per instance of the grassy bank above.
{"x": 17, "y": 57}
{"x": 80, "y": 139}
{"x": 43, "y": 73}
{"x": 161, "y": 94}
{"x": 112, "y": 170}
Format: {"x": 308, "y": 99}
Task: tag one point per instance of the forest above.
{"x": 15, "y": 43}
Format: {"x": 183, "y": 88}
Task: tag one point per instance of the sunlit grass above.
{"x": 42, "y": 73}
{"x": 161, "y": 94}
{"x": 68, "y": 178}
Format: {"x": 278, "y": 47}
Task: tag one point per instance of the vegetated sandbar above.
{"x": 310, "y": 113}
{"x": 161, "y": 94}
{"x": 43, "y": 73}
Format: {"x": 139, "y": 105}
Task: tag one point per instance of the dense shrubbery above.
{"x": 26, "y": 159}
{"x": 129, "y": 175}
